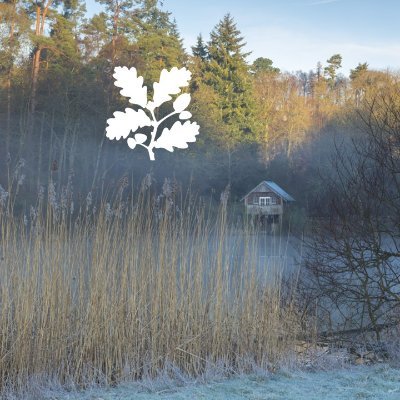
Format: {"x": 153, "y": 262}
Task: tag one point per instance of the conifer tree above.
{"x": 227, "y": 72}
{"x": 358, "y": 71}
{"x": 262, "y": 64}
{"x": 15, "y": 26}
{"x": 40, "y": 13}
{"x": 118, "y": 11}
{"x": 198, "y": 64}
{"x": 158, "y": 41}
{"x": 227, "y": 75}
{"x": 200, "y": 50}
{"x": 334, "y": 63}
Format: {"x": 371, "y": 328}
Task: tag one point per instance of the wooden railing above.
{"x": 275, "y": 209}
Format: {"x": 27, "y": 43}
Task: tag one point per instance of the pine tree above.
{"x": 61, "y": 59}
{"x": 334, "y": 63}
{"x": 40, "y": 12}
{"x": 262, "y": 64}
{"x": 158, "y": 41}
{"x": 117, "y": 11}
{"x": 95, "y": 36}
{"x": 358, "y": 71}
{"x": 359, "y": 82}
{"x": 15, "y": 26}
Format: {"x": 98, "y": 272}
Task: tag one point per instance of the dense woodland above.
{"x": 257, "y": 122}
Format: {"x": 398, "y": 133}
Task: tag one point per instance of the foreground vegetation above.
{"x": 120, "y": 292}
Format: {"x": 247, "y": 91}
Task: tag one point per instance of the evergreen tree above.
{"x": 174, "y": 31}
{"x": 95, "y": 36}
{"x": 158, "y": 41}
{"x": 360, "y": 78}
{"x": 157, "y": 51}
{"x": 198, "y": 63}
{"x": 358, "y": 71}
{"x": 74, "y": 11}
{"x": 15, "y": 25}
{"x": 334, "y": 63}
{"x": 61, "y": 55}
{"x": 200, "y": 50}
{"x": 40, "y": 14}
{"x": 118, "y": 13}
{"x": 63, "y": 59}
{"x": 262, "y": 64}
{"x": 227, "y": 72}
{"x": 150, "y": 14}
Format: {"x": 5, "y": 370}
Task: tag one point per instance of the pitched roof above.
{"x": 274, "y": 188}
{"x": 278, "y": 190}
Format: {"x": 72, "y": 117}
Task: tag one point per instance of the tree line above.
{"x": 57, "y": 91}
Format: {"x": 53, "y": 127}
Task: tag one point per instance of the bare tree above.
{"x": 353, "y": 256}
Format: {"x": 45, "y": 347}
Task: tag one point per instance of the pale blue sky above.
{"x": 296, "y": 34}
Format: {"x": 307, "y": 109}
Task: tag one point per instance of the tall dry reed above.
{"x": 121, "y": 291}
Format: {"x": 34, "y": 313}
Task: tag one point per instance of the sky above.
{"x": 296, "y": 34}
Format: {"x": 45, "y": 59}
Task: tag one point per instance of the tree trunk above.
{"x": 41, "y": 14}
{"x": 229, "y": 166}
{"x": 8, "y": 129}
{"x": 9, "y": 80}
{"x": 115, "y": 33}
{"x": 35, "y": 77}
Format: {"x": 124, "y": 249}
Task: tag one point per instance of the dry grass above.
{"x": 122, "y": 292}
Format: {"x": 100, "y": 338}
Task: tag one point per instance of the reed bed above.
{"x": 119, "y": 292}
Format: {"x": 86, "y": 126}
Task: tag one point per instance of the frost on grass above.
{"x": 375, "y": 382}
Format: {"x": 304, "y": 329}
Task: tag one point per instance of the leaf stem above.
{"x": 167, "y": 116}
{"x": 155, "y": 124}
{"x": 150, "y": 147}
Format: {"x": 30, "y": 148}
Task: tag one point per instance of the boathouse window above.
{"x": 265, "y": 201}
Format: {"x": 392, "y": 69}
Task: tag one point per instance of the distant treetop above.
{"x": 262, "y": 64}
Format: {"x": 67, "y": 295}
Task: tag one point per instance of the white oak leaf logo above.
{"x": 170, "y": 83}
{"x": 185, "y": 115}
{"x": 181, "y": 102}
{"x": 140, "y": 138}
{"x": 131, "y": 84}
{"x": 123, "y": 123}
{"x": 178, "y": 136}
